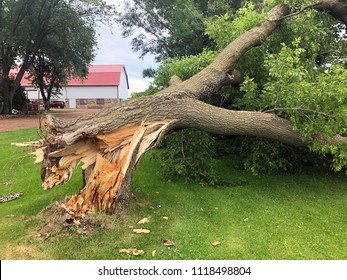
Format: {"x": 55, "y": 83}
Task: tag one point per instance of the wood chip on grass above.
{"x": 168, "y": 242}
{"x": 141, "y": 230}
{"x": 216, "y": 243}
{"x": 134, "y": 251}
{"x": 143, "y": 221}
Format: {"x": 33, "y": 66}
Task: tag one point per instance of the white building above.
{"x": 104, "y": 84}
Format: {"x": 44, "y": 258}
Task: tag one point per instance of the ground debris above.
{"x": 143, "y": 221}
{"x": 168, "y": 242}
{"x": 56, "y": 222}
{"x": 141, "y": 230}
{"x": 11, "y": 196}
{"x": 134, "y": 251}
{"x": 216, "y": 243}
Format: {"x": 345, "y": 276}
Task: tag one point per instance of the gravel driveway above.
{"x": 9, "y": 123}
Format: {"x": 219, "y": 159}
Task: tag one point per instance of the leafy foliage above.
{"x": 184, "y": 67}
{"x": 226, "y": 28}
{"x": 19, "y": 98}
{"x": 299, "y": 73}
{"x": 313, "y": 98}
{"x": 26, "y": 27}
{"x": 172, "y": 28}
{"x": 189, "y": 154}
{"x": 260, "y": 155}
{"x": 65, "y": 53}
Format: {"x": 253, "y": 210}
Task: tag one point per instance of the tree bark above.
{"x": 337, "y": 8}
{"x": 110, "y": 143}
{"x": 6, "y": 61}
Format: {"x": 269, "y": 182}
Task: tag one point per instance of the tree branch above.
{"x": 299, "y": 109}
{"x": 299, "y": 12}
{"x": 336, "y": 8}
{"x": 213, "y": 77}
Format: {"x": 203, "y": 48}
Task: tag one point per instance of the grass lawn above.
{"x": 293, "y": 216}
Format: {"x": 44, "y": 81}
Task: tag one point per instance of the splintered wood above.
{"x": 106, "y": 158}
{"x": 84, "y": 151}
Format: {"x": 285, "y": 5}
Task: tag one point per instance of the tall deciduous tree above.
{"x": 27, "y": 23}
{"x": 65, "y": 54}
{"x": 170, "y": 28}
{"x": 110, "y": 143}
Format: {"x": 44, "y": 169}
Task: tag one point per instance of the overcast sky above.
{"x": 113, "y": 49}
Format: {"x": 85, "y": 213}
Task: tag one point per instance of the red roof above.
{"x": 99, "y": 75}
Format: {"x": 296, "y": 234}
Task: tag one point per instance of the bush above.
{"x": 19, "y": 99}
{"x": 189, "y": 154}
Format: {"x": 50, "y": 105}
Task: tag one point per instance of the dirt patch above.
{"x": 54, "y": 223}
{"x": 24, "y": 252}
{"x": 10, "y": 123}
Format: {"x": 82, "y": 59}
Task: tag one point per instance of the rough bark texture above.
{"x": 110, "y": 143}
{"x": 337, "y": 8}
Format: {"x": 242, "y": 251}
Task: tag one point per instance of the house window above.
{"x": 83, "y": 102}
{"x": 100, "y": 101}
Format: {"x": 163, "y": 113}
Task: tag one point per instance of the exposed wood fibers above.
{"x": 106, "y": 158}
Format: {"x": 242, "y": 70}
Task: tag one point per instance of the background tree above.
{"x": 65, "y": 54}
{"x": 170, "y": 28}
{"x": 26, "y": 24}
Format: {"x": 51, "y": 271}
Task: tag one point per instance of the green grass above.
{"x": 292, "y": 216}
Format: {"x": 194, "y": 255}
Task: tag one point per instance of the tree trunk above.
{"x": 111, "y": 147}
{"x": 7, "y": 102}
{"x": 5, "y": 82}
{"x": 110, "y": 143}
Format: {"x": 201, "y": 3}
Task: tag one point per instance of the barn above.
{"x": 105, "y": 84}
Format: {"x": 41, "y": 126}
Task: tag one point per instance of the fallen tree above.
{"x": 111, "y": 142}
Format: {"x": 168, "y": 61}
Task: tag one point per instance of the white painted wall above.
{"x": 83, "y": 92}
{"x": 89, "y": 92}
{"x": 123, "y": 86}
{"x": 72, "y": 103}
{"x": 86, "y": 92}
{"x": 32, "y": 93}
{"x": 72, "y": 93}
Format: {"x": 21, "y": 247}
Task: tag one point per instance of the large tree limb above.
{"x": 337, "y": 8}
{"x": 210, "y": 79}
{"x": 109, "y": 158}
